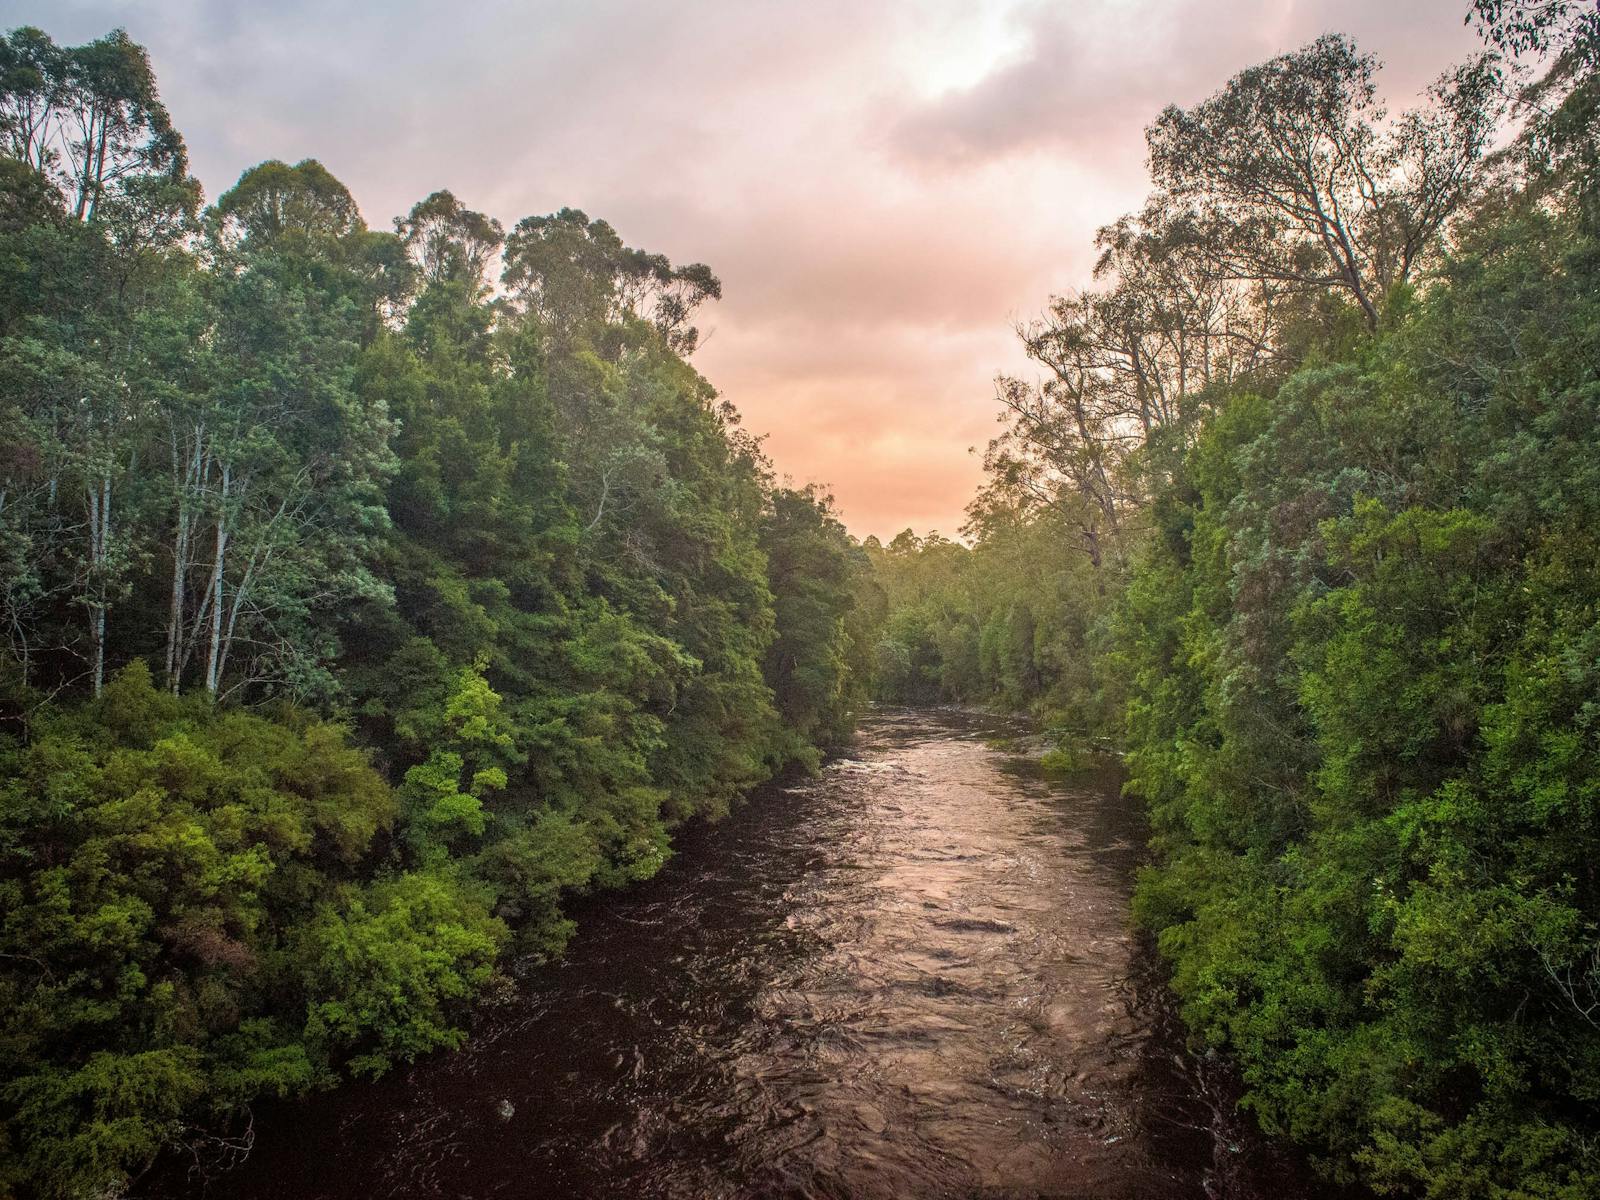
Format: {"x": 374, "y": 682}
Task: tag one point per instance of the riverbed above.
{"x": 913, "y": 974}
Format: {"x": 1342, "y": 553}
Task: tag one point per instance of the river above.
{"x": 910, "y": 975}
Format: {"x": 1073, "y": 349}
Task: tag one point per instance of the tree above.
{"x": 1562, "y": 128}
{"x": 88, "y": 362}
{"x": 575, "y": 274}
{"x": 88, "y": 118}
{"x": 152, "y": 852}
{"x": 276, "y": 470}
{"x": 446, "y": 794}
{"x": 274, "y": 201}
{"x": 1538, "y": 26}
{"x": 810, "y": 563}
{"x": 1126, "y": 365}
{"x": 449, "y": 242}
{"x": 1307, "y": 183}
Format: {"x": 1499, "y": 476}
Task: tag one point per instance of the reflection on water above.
{"x": 911, "y": 975}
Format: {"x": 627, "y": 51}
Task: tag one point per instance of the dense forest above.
{"x": 1301, "y": 515}
{"x": 364, "y": 593}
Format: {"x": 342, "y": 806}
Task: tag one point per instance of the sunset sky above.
{"x": 884, "y": 187}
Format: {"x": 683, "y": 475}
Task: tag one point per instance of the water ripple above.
{"x": 911, "y": 975}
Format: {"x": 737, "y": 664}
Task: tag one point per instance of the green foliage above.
{"x": 157, "y": 857}
{"x": 812, "y": 562}
{"x": 1333, "y": 588}
{"x": 1362, "y": 712}
{"x": 513, "y": 540}
{"x": 383, "y": 964}
{"x": 1014, "y": 621}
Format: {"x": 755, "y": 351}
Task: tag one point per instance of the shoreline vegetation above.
{"x": 366, "y": 593}
{"x": 1298, "y": 512}
{"x": 370, "y": 595}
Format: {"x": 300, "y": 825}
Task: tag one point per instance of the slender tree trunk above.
{"x": 81, "y": 208}
{"x": 240, "y": 592}
{"x": 99, "y": 171}
{"x": 214, "y": 657}
{"x": 1099, "y": 492}
{"x": 188, "y": 470}
{"x": 99, "y": 562}
{"x": 180, "y": 554}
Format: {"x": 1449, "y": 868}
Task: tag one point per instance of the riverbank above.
{"x": 910, "y": 975}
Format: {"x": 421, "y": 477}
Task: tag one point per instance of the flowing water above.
{"x": 910, "y": 975}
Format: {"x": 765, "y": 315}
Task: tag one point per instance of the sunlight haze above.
{"x": 883, "y": 188}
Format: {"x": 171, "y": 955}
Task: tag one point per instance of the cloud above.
{"x": 883, "y": 188}
{"x": 1055, "y": 96}
{"x": 1089, "y": 78}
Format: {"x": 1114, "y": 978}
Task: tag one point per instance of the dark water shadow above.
{"x": 911, "y": 975}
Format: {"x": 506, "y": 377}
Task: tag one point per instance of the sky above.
{"x": 885, "y": 187}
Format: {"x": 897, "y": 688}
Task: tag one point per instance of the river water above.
{"x": 912, "y": 975}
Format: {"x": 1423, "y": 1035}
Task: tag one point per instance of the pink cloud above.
{"x": 884, "y": 188}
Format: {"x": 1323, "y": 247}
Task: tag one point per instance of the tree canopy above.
{"x": 1298, "y": 518}
{"x": 362, "y": 603}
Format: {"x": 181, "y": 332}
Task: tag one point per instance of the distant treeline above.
{"x": 1303, "y": 515}
{"x": 355, "y": 611}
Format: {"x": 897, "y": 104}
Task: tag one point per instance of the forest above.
{"x": 359, "y": 606}
{"x": 1300, "y": 517}
{"x": 371, "y": 594}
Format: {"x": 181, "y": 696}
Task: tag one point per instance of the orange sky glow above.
{"x": 884, "y": 188}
